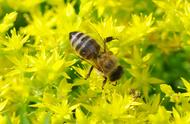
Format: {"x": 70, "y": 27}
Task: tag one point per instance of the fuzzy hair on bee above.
{"x": 103, "y": 60}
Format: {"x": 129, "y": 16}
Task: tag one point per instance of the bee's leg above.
{"x": 106, "y": 40}
{"x": 105, "y": 46}
{"x": 104, "y": 82}
{"x": 89, "y": 72}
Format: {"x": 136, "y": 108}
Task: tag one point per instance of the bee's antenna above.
{"x": 105, "y": 47}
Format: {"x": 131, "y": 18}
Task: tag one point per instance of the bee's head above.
{"x": 116, "y": 73}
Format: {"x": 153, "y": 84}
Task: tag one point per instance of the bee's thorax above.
{"x": 107, "y": 62}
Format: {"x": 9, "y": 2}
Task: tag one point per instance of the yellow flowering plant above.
{"x": 42, "y": 79}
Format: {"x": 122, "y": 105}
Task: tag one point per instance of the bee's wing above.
{"x": 91, "y": 63}
{"x": 91, "y": 30}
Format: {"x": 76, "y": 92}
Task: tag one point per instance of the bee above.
{"x": 103, "y": 60}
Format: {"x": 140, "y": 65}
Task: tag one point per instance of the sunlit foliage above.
{"x": 42, "y": 80}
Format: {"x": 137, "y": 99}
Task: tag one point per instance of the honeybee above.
{"x": 102, "y": 60}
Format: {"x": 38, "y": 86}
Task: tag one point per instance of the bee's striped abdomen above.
{"x": 84, "y": 45}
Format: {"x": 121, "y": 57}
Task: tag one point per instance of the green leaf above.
{"x": 3, "y": 104}
{"x": 167, "y": 89}
{"x": 8, "y": 21}
{"x": 81, "y": 117}
{"x": 24, "y": 119}
{"x": 161, "y": 117}
{"x": 176, "y": 114}
{"x": 186, "y": 83}
{"x": 47, "y": 119}
{"x": 154, "y": 80}
{"x": 80, "y": 71}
